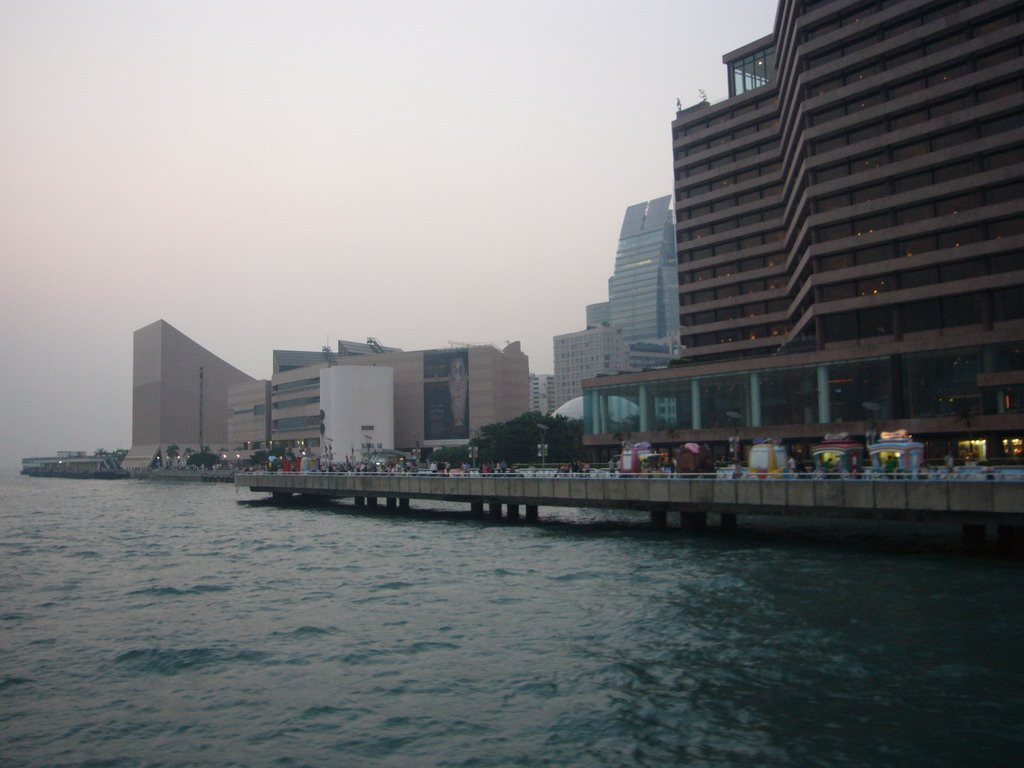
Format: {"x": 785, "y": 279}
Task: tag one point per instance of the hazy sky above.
{"x": 286, "y": 174}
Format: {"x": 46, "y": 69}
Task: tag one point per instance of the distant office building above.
{"x": 290, "y": 359}
{"x": 443, "y": 396}
{"x": 542, "y": 393}
{"x": 295, "y": 392}
{"x": 643, "y": 290}
{"x": 439, "y": 397}
{"x": 179, "y": 395}
{"x": 249, "y": 415}
{"x": 653, "y": 353}
{"x": 585, "y": 354}
{"x": 850, "y": 234}
{"x": 642, "y": 303}
{"x": 295, "y": 408}
{"x": 599, "y": 314}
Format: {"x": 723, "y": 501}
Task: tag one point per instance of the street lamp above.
{"x": 872, "y": 409}
{"x": 542, "y": 447}
{"x": 735, "y": 417}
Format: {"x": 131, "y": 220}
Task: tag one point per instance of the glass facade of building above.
{"x": 752, "y": 71}
{"x": 908, "y": 386}
{"x": 643, "y": 292}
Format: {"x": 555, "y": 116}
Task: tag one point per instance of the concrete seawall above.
{"x": 975, "y": 502}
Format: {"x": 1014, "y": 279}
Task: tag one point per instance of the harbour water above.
{"x": 150, "y": 624}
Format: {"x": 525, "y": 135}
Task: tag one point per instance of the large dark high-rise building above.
{"x": 850, "y": 232}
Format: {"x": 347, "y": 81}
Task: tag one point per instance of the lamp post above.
{"x": 734, "y": 417}
{"x": 872, "y": 409}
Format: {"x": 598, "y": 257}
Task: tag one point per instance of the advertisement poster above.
{"x": 446, "y": 394}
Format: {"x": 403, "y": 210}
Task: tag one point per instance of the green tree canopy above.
{"x": 204, "y": 459}
{"x": 455, "y": 455}
{"x": 516, "y": 441}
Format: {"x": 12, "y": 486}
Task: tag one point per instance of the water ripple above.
{"x": 147, "y": 625}
{"x": 170, "y": 661}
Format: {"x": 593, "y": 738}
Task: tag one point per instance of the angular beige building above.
{"x": 179, "y": 394}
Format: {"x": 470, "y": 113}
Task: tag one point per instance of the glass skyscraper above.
{"x": 643, "y": 291}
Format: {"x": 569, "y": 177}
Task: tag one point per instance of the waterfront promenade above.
{"x": 971, "y": 501}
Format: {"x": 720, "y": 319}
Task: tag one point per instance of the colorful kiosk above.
{"x": 838, "y": 453}
{"x": 896, "y": 452}
{"x": 633, "y": 457}
{"x": 768, "y": 458}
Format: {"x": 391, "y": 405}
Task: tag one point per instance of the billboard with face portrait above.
{"x": 446, "y": 394}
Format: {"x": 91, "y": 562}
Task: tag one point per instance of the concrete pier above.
{"x": 972, "y": 504}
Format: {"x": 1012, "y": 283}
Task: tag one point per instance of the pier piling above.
{"x": 693, "y": 521}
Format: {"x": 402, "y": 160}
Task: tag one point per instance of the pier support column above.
{"x": 974, "y": 535}
{"x": 495, "y": 509}
{"x": 359, "y": 501}
{"x": 1010, "y": 540}
{"x": 727, "y": 522}
{"x": 372, "y": 501}
{"x": 659, "y": 518}
{"x": 693, "y": 521}
{"x": 476, "y": 508}
{"x": 531, "y": 513}
{"x": 392, "y": 504}
{"x": 280, "y": 498}
{"x": 513, "y": 512}
{"x": 403, "y": 504}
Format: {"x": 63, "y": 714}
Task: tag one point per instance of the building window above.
{"x": 874, "y": 322}
{"x": 961, "y": 310}
{"x": 841, "y": 327}
{"x": 921, "y": 316}
{"x": 752, "y": 71}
